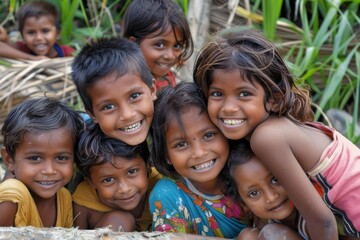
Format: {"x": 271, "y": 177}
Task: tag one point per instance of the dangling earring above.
{"x": 154, "y": 97}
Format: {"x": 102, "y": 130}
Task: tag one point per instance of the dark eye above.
{"x": 34, "y": 158}
{"x": 215, "y": 94}
{"x": 30, "y": 32}
{"x": 109, "y": 107}
{"x": 181, "y": 144}
{"x": 135, "y": 96}
{"x": 159, "y": 45}
{"x": 209, "y": 135}
{"x": 254, "y": 194}
{"x": 62, "y": 158}
{"x": 274, "y": 180}
{"x": 132, "y": 171}
{"x": 107, "y": 180}
{"x": 177, "y": 46}
{"x": 244, "y": 94}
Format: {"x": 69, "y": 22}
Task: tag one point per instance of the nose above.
{"x": 271, "y": 195}
{"x": 126, "y": 112}
{"x": 170, "y": 54}
{"x": 39, "y": 36}
{"x": 124, "y": 186}
{"x": 48, "y": 168}
{"x": 230, "y": 105}
{"x": 199, "y": 148}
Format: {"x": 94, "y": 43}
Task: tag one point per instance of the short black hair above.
{"x": 95, "y": 148}
{"x": 39, "y": 114}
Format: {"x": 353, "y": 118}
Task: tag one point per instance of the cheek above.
{"x": 104, "y": 193}
{"x": 213, "y": 111}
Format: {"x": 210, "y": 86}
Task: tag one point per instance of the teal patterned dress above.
{"x": 176, "y": 206}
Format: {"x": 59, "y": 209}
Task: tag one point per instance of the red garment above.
{"x": 168, "y": 79}
{"x": 66, "y": 50}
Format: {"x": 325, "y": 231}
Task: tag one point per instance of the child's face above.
{"x": 236, "y": 106}
{"x": 40, "y": 35}
{"x": 123, "y": 107}
{"x": 200, "y": 152}
{"x": 261, "y": 191}
{"x": 121, "y": 184}
{"x": 162, "y": 52}
{"x": 43, "y": 161}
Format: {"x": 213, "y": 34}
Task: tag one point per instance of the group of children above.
{"x": 234, "y": 154}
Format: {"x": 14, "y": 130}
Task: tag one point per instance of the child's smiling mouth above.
{"x": 132, "y": 127}
{"x": 204, "y": 166}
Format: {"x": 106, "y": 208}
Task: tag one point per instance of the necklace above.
{"x": 197, "y": 192}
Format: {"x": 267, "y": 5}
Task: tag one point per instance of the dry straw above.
{"x": 23, "y": 79}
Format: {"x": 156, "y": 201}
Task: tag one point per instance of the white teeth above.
{"x": 232, "y": 122}
{"x": 204, "y": 165}
{"x": 131, "y": 127}
{"x": 47, "y": 183}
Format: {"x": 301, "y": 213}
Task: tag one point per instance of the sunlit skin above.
{"x": 200, "y": 152}
{"x": 261, "y": 191}
{"x": 40, "y": 35}
{"x": 161, "y": 52}
{"x": 123, "y": 107}
{"x": 44, "y": 163}
{"x": 122, "y": 184}
{"x": 239, "y": 109}
{"x": 236, "y": 106}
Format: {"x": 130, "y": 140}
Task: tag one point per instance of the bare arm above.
{"x": 9, "y": 51}
{"x": 270, "y": 143}
{"x": 117, "y": 220}
{"x": 8, "y": 211}
{"x": 80, "y": 216}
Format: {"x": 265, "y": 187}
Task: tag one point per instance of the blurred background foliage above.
{"x": 319, "y": 39}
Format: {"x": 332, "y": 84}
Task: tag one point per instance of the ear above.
{"x": 168, "y": 161}
{"x": 8, "y": 161}
{"x": 92, "y": 116}
{"x": 153, "y": 90}
{"x": 133, "y": 39}
{"x": 271, "y": 105}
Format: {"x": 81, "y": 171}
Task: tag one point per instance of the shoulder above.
{"x": 164, "y": 188}
{"x": 64, "y": 194}
{"x": 83, "y": 191}
{"x": 165, "y": 183}
{"x": 67, "y": 50}
{"x": 13, "y": 187}
{"x": 171, "y": 76}
{"x": 272, "y": 131}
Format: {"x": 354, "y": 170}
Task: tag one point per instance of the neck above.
{"x": 210, "y": 188}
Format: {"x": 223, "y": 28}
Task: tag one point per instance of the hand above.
{"x": 3, "y": 35}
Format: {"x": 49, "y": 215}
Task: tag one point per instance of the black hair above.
{"x": 240, "y": 153}
{"x": 37, "y": 115}
{"x": 95, "y": 148}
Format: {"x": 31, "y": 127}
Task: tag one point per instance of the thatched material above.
{"x": 22, "y": 79}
